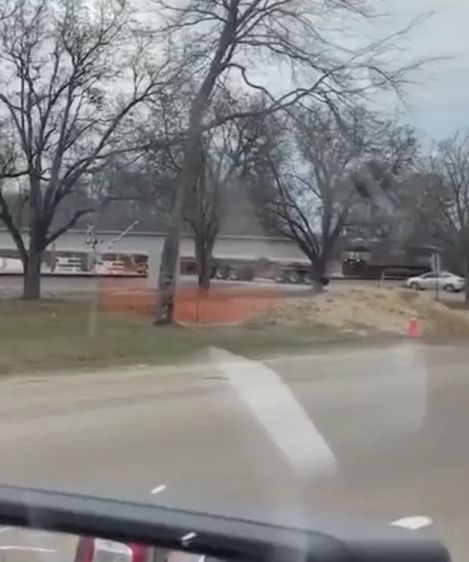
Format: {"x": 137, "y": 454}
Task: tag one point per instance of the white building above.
{"x": 151, "y": 243}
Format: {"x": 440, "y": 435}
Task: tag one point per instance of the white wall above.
{"x": 152, "y": 244}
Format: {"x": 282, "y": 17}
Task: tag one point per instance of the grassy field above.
{"x": 57, "y": 335}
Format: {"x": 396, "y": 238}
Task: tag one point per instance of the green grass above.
{"x": 55, "y": 335}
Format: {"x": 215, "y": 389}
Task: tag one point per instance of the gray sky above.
{"x": 439, "y": 100}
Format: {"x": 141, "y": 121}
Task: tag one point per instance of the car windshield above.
{"x": 220, "y": 223}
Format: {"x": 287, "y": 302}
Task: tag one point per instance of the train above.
{"x": 358, "y": 259}
{"x": 248, "y": 268}
{"x": 385, "y": 259}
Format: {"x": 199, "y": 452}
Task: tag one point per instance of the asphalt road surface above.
{"x": 11, "y": 286}
{"x": 379, "y": 434}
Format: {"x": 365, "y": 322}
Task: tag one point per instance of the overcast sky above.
{"x": 439, "y": 101}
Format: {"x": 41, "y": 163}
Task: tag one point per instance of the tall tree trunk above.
{"x": 32, "y": 261}
{"x": 203, "y": 251}
{"x": 318, "y": 274}
{"x": 466, "y": 289}
{"x": 203, "y": 266}
{"x": 32, "y": 275}
{"x": 167, "y": 276}
{"x": 170, "y": 254}
{"x": 205, "y": 275}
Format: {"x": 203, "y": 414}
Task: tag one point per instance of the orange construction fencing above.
{"x": 221, "y": 304}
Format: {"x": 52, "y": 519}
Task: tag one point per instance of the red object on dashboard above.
{"x": 139, "y": 552}
{"x": 90, "y": 549}
{"x": 85, "y": 550}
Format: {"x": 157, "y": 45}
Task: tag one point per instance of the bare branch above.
{"x": 51, "y": 237}
{"x": 66, "y": 69}
{"x": 7, "y": 218}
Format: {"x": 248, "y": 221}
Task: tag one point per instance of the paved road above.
{"x": 11, "y": 286}
{"x": 385, "y": 435}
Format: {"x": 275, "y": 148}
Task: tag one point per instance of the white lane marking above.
{"x": 413, "y": 522}
{"x": 188, "y": 537}
{"x": 276, "y": 408}
{"x": 158, "y": 489}
{"x": 5, "y": 529}
{"x": 27, "y": 548}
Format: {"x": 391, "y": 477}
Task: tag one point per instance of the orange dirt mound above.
{"x": 222, "y": 304}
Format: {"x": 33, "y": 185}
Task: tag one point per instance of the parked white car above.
{"x": 444, "y": 281}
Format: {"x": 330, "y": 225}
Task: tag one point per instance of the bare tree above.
{"x": 304, "y": 186}
{"x": 230, "y": 40}
{"x": 202, "y": 213}
{"x": 72, "y": 76}
{"x": 441, "y": 199}
{"x": 224, "y": 153}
